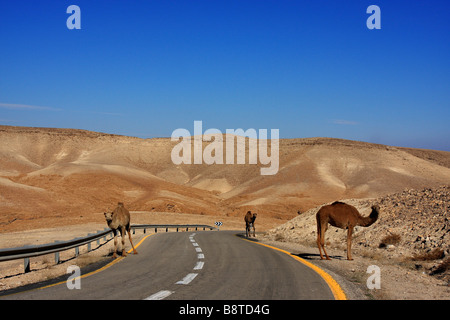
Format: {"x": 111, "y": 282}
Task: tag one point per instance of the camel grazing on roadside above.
{"x": 119, "y": 219}
{"x": 343, "y": 216}
{"x": 250, "y": 223}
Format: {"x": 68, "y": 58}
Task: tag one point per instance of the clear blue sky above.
{"x": 307, "y": 68}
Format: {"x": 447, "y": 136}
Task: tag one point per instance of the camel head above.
{"x": 375, "y": 211}
{"x": 376, "y": 208}
{"x": 373, "y": 216}
{"x": 108, "y": 217}
{"x": 254, "y": 216}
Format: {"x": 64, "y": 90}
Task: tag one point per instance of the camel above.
{"x": 119, "y": 219}
{"x": 343, "y": 216}
{"x": 250, "y": 223}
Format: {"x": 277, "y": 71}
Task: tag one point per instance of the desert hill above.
{"x": 69, "y": 175}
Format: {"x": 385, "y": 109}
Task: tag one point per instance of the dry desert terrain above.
{"x": 56, "y": 183}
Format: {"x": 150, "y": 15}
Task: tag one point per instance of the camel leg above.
{"x": 131, "y": 241}
{"x": 254, "y": 231}
{"x": 319, "y": 246}
{"x": 122, "y": 233}
{"x": 321, "y": 240}
{"x": 323, "y": 247}
{"x": 246, "y": 230}
{"x": 115, "y": 245}
{"x": 349, "y": 243}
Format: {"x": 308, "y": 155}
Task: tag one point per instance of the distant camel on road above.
{"x": 344, "y": 216}
{"x": 119, "y": 219}
{"x": 250, "y": 223}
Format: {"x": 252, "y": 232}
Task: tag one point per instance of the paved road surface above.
{"x": 196, "y": 265}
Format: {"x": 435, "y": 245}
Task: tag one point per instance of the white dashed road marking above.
{"x": 160, "y": 295}
{"x": 188, "y": 278}
{"x": 199, "y": 265}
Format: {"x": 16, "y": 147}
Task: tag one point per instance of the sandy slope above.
{"x": 51, "y": 177}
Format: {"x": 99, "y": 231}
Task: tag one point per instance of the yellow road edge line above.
{"x": 95, "y": 271}
{"x": 335, "y": 288}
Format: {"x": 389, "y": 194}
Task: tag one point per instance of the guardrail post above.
{"x": 167, "y": 229}
{"x": 26, "y": 265}
{"x": 156, "y": 230}
{"x": 57, "y": 255}
{"x": 106, "y": 235}
{"x": 77, "y": 251}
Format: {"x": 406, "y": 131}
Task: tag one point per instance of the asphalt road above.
{"x": 200, "y": 265}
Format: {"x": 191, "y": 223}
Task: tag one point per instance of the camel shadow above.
{"x": 314, "y": 256}
{"x": 243, "y": 236}
{"x": 119, "y": 253}
{"x": 306, "y": 256}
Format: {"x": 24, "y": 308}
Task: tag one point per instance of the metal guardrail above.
{"x": 27, "y": 252}
{"x": 167, "y": 226}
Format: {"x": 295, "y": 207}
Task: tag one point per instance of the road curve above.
{"x": 200, "y": 265}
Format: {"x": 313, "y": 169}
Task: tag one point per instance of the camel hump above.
{"x": 120, "y": 204}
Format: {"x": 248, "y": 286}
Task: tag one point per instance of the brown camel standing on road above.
{"x": 250, "y": 223}
{"x": 119, "y": 219}
{"x": 343, "y": 216}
